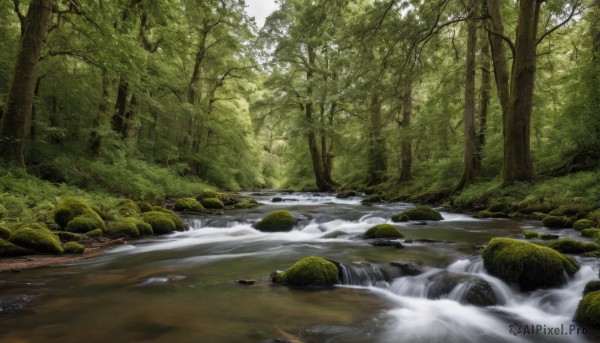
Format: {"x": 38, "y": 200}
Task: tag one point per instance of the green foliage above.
{"x": 310, "y": 271}
{"x": 418, "y": 213}
{"x": 212, "y": 203}
{"x": 188, "y": 204}
{"x": 73, "y": 248}
{"x": 277, "y": 221}
{"x": 571, "y": 246}
{"x": 383, "y": 231}
{"x": 42, "y": 240}
{"x": 528, "y": 265}
{"x": 588, "y": 310}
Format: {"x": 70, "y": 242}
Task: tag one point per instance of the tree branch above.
{"x": 573, "y": 10}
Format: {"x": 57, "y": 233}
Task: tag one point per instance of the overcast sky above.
{"x": 260, "y": 9}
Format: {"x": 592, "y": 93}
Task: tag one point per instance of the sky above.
{"x": 260, "y": 9}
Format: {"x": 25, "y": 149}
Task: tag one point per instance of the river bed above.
{"x": 183, "y": 287}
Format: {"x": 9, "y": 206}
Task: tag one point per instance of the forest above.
{"x": 113, "y": 113}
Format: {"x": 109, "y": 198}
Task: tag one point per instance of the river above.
{"x": 183, "y": 287}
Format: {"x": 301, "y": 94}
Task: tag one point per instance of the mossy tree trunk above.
{"x": 377, "y": 153}
{"x": 470, "y": 160}
{"x": 484, "y": 99}
{"x": 118, "y": 119}
{"x": 406, "y": 143}
{"x": 102, "y": 117}
{"x": 17, "y": 110}
{"x": 595, "y": 31}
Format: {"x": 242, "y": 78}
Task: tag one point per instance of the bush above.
{"x": 73, "y": 248}
{"x": 212, "y": 203}
{"x": 188, "y": 204}
{"x": 277, "y": 221}
{"x": 310, "y": 271}
{"x": 588, "y": 310}
{"x": 571, "y": 246}
{"x": 528, "y": 265}
{"x": 418, "y": 213}
{"x": 383, "y": 231}
{"x": 35, "y": 239}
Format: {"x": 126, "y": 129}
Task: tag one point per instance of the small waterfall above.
{"x": 362, "y": 274}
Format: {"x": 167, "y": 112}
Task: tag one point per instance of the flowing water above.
{"x": 183, "y": 287}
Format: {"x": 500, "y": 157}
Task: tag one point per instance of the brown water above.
{"x": 182, "y": 287}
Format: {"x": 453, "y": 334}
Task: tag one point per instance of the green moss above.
{"x": 530, "y": 234}
{"x": 206, "y": 194}
{"x": 383, "y": 231}
{"x": 71, "y": 207}
{"x": 158, "y": 208}
{"x": 345, "y": 194}
{"x": 65, "y": 236}
{"x": 526, "y": 264}
{"x": 553, "y": 222}
{"x": 548, "y": 236}
{"x": 248, "y": 203}
{"x": 583, "y": 224}
{"x": 5, "y": 232}
{"x": 570, "y": 210}
{"x": 588, "y": 310}
{"x": 144, "y": 206}
{"x": 310, "y": 271}
{"x": 538, "y": 215}
{"x": 212, "y": 203}
{"x": 8, "y": 249}
{"x": 591, "y": 286}
{"x": 277, "y": 221}
{"x": 373, "y": 198}
{"x": 39, "y": 240}
{"x": 83, "y": 224}
{"x": 188, "y": 204}
{"x": 489, "y": 214}
{"x": 418, "y": 213}
{"x": 145, "y": 228}
{"x": 73, "y": 248}
{"x": 591, "y": 233}
{"x": 128, "y": 208}
{"x": 161, "y": 222}
{"x": 94, "y": 233}
{"x": 571, "y": 246}
{"x": 123, "y": 228}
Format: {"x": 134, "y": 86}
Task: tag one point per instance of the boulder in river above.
{"x": 528, "y": 265}
{"x": 164, "y": 221}
{"x": 588, "y": 310}
{"x": 553, "y": 222}
{"x": 407, "y": 268}
{"x": 309, "y": 271}
{"x": 464, "y": 288}
{"x": 591, "y": 286}
{"x": 418, "y": 213}
{"x": 73, "y": 248}
{"x": 277, "y": 221}
{"x": 571, "y": 246}
{"x": 188, "y": 204}
{"x": 212, "y": 203}
{"x": 383, "y": 231}
{"x": 583, "y": 224}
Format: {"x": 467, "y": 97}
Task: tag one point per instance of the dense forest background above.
{"x": 144, "y": 98}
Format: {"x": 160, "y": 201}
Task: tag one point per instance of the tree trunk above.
{"x": 192, "y": 86}
{"x": 132, "y": 124}
{"x": 118, "y": 119}
{"x": 518, "y": 165}
{"x": 33, "y": 121}
{"x": 470, "y": 159}
{"x": 102, "y": 117}
{"x": 595, "y": 100}
{"x": 17, "y": 110}
{"x": 377, "y": 156}
{"x": 495, "y": 24}
{"x": 405, "y": 144}
{"x": 484, "y": 100}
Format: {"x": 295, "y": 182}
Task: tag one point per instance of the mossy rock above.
{"x": 418, "y": 213}
{"x": 489, "y": 214}
{"x": 591, "y": 233}
{"x": 383, "y": 231}
{"x": 207, "y": 194}
{"x": 548, "y": 236}
{"x": 346, "y": 194}
{"x": 123, "y": 228}
{"x": 5, "y": 232}
{"x": 94, "y": 233}
{"x": 66, "y": 236}
{"x": 128, "y": 208}
{"x": 310, "y": 271}
{"x": 158, "y": 208}
{"x": 71, "y": 207}
{"x": 277, "y": 221}
{"x": 35, "y": 239}
{"x": 591, "y": 286}
{"x": 144, "y": 206}
{"x": 188, "y": 204}
{"x": 531, "y": 234}
{"x": 8, "y": 249}
{"x": 553, "y": 222}
{"x": 248, "y": 203}
{"x": 588, "y": 310}
{"x": 528, "y": 265}
{"x": 212, "y": 203}
{"x": 571, "y": 246}
{"x": 161, "y": 222}
{"x": 373, "y": 198}
{"x": 501, "y": 206}
{"x": 583, "y": 224}
{"x": 538, "y": 215}
{"x": 570, "y": 210}
{"x": 83, "y": 224}
{"x": 73, "y": 248}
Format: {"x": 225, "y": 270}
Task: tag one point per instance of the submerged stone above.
{"x": 383, "y": 231}
{"x": 571, "y": 246}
